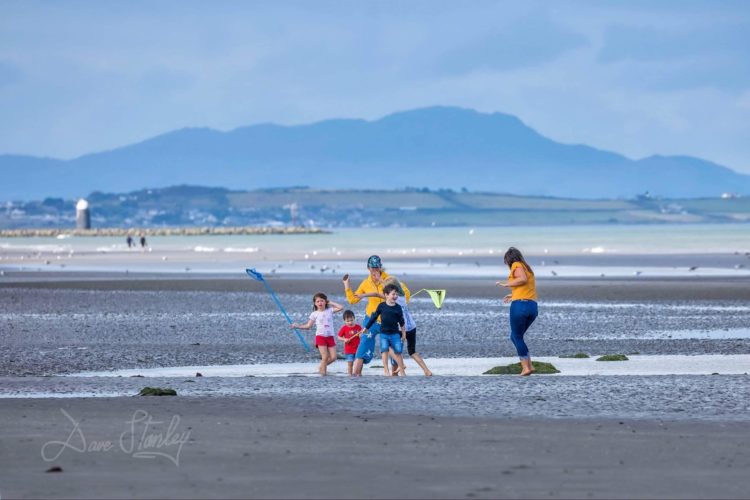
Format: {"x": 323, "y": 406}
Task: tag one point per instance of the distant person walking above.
{"x": 523, "y": 304}
{"x": 373, "y": 284}
{"x": 129, "y": 241}
{"x": 143, "y": 241}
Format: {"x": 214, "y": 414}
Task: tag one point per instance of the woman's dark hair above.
{"x": 514, "y": 255}
{"x": 319, "y": 295}
{"x": 348, "y": 314}
{"x": 389, "y": 288}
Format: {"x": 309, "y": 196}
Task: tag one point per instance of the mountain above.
{"x": 438, "y": 147}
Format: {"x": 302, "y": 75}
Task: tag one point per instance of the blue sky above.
{"x": 635, "y": 77}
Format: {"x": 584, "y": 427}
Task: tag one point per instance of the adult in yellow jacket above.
{"x": 373, "y": 284}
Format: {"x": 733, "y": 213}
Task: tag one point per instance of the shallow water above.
{"x": 575, "y": 251}
{"x": 707, "y": 364}
{"x": 534, "y": 240}
{"x": 48, "y": 332}
{"x": 53, "y": 332}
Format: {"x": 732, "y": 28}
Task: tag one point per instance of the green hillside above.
{"x": 216, "y": 207}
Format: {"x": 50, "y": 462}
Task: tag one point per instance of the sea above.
{"x": 594, "y": 250}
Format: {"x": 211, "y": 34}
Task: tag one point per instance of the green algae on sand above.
{"x": 157, "y": 391}
{"x": 515, "y": 369}
{"x": 578, "y": 355}
{"x": 612, "y": 357}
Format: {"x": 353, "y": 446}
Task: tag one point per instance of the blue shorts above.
{"x": 349, "y": 358}
{"x": 391, "y": 340}
{"x": 366, "y": 349}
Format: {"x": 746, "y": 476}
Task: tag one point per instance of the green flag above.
{"x": 437, "y": 296}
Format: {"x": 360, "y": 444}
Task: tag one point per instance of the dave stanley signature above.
{"x": 139, "y": 439}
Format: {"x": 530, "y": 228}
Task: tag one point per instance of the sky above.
{"x": 634, "y": 77}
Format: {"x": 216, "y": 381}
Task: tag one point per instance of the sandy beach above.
{"x": 261, "y": 447}
{"x": 676, "y": 435}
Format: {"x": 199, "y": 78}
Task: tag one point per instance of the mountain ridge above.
{"x": 435, "y": 147}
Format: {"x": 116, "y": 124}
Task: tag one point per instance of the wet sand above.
{"x": 644, "y": 437}
{"x": 582, "y": 289}
{"x": 264, "y": 448}
{"x": 63, "y": 323}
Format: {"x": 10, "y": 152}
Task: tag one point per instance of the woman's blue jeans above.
{"x": 522, "y": 315}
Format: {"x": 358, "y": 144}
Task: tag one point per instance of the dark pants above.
{"x": 411, "y": 344}
{"x": 522, "y": 315}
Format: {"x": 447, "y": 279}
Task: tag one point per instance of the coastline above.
{"x": 62, "y": 233}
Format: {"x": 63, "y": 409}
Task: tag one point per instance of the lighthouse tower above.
{"x": 83, "y": 216}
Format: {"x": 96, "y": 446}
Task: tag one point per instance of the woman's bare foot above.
{"x": 527, "y": 368}
{"x": 427, "y": 373}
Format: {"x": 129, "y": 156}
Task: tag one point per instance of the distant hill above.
{"x": 438, "y": 147}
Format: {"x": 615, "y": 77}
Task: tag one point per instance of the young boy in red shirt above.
{"x": 350, "y": 335}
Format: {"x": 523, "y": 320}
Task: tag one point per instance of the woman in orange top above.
{"x": 523, "y": 307}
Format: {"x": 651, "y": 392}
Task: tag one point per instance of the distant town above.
{"x": 195, "y": 206}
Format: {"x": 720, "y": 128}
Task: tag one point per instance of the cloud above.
{"x": 635, "y": 77}
{"x": 681, "y": 57}
{"x": 513, "y": 44}
{"x": 652, "y": 44}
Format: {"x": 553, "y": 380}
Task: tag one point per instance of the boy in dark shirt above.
{"x": 392, "y": 328}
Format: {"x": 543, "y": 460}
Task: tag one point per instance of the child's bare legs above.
{"x": 400, "y": 361}
{"x": 416, "y": 357}
{"x": 384, "y": 357}
{"x": 357, "y": 368}
{"x": 410, "y": 346}
{"x": 393, "y": 364}
{"x": 349, "y": 366}
{"x": 332, "y": 355}
{"x": 323, "y": 359}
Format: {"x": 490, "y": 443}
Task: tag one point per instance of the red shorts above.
{"x": 324, "y": 341}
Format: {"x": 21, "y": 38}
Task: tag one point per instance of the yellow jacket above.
{"x": 369, "y": 286}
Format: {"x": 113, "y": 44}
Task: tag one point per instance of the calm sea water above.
{"x": 557, "y": 240}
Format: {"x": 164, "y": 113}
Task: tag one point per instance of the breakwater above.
{"x": 159, "y": 231}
